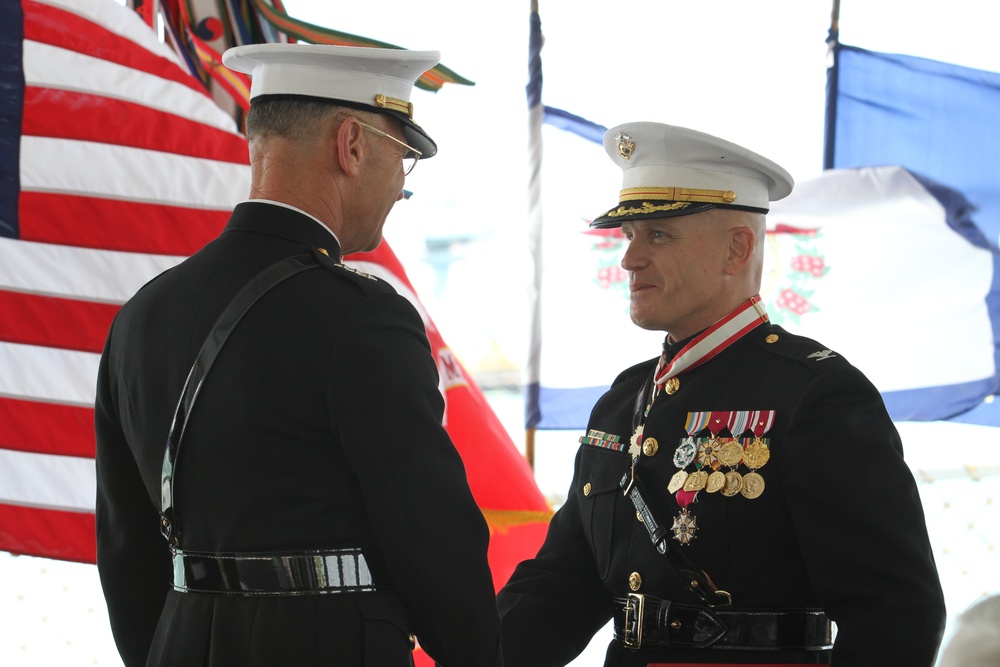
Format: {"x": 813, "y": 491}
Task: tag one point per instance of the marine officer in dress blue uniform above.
{"x": 742, "y": 493}
{"x": 315, "y": 509}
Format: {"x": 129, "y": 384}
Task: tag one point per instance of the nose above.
{"x": 633, "y": 258}
{"x": 401, "y": 195}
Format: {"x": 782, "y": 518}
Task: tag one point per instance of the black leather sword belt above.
{"x": 298, "y": 573}
{"x": 642, "y": 621}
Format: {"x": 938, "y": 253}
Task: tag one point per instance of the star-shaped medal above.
{"x": 684, "y": 527}
{"x": 635, "y": 442}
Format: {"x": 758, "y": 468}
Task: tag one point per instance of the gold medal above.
{"x": 734, "y": 483}
{"x": 715, "y": 482}
{"x": 677, "y": 481}
{"x": 730, "y": 454}
{"x": 757, "y": 454}
{"x": 696, "y": 481}
{"x": 753, "y": 485}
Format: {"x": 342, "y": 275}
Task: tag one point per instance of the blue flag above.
{"x": 939, "y": 121}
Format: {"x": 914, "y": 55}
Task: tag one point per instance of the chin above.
{"x": 374, "y": 243}
{"x": 642, "y": 323}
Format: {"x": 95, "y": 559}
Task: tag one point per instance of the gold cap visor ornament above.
{"x": 372, "y": 79}
{"x": 669, "y": 171}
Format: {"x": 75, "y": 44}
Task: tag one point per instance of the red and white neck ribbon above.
{"x": 714, "y": 340}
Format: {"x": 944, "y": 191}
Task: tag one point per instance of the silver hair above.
{"x": 297, "y": 119}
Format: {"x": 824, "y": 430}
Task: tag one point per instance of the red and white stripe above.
{"x": 126, "y": 167}
{"x": 715, "y": 339}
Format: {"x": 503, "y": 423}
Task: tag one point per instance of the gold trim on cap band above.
{"x": 646, "y": 208}
{"x": 678, "y": 194}
{"x": 394, "y": 104}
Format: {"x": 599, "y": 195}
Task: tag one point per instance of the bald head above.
{"x": 688, "y": 271}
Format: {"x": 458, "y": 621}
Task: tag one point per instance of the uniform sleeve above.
{"x": 132, "y": 556}
{"x": 860, "y": 524}
{"x": 388, "y": 409}
{"x": 554, "y": 603}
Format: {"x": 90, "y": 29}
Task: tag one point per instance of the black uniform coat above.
{"x": 319, "y": 427}
{"x": 839, "y": 525}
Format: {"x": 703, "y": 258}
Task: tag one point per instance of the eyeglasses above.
{"x": 411, "y": 155}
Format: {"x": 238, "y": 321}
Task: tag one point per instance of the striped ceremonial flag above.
{"x": 934, "y": 119}
{"x": 579, "y": 292}
{"x": 114, "y": 165}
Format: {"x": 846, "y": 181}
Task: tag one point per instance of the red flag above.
{"x": 114, "y": 166}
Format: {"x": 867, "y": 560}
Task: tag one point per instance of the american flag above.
{"x": 115, "y": 164}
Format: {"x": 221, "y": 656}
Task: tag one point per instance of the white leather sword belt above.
{"x": 295, "y": 573}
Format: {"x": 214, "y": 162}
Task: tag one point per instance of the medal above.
{"x": 685, "y": 453}
{"x": 730, "y": 454}
{"x": 677, "y": 481}
{"x": 634, "y": 447}
{"x": 696, "y": 481}
{"x": 753, "y": 485}
{"x": 708, "y": 452}
{"x": 757, "y": 453}
{"x": 734, "y": 484}
{"x": 684, "y": 527}
{"x": 716, "y": 481}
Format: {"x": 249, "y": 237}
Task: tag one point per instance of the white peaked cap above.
{"x": 379, "y": 80}
{"x": 670, "y": 171}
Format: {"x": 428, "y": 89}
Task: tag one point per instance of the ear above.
{"x": 739, "y": 249}
{"x": 350, "y": 146}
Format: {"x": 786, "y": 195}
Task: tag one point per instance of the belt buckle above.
{"x": 635, "y": 609}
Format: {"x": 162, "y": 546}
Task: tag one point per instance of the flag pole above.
{"x": 832, "y": 75}
{"x": 834, "y": 23}
{"x": 534, "y": 224}
{"x": 529, "y": 447}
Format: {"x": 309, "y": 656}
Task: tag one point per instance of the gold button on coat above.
{"x": 635, "y": 581}
{"x": 650, "y": 446}
{"x": 673, "y": 384}
{"x": 772, "y": 338}
{"x": 586, "y": 489}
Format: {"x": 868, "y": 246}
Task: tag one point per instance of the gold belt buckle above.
{"x": 635, "y": 608}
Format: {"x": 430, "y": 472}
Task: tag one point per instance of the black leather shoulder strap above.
{"x": 224, "y": 325}
{"x": 693, "y": 578}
